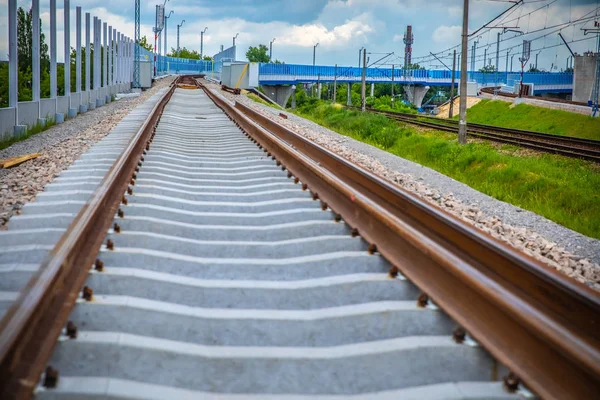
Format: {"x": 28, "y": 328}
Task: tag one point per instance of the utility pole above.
{"x": 179, "y": 26}
{"x": 451, "y": 111}
{"x": 462, "y": 123}
{"x": 271, "y": 50}
{"x": 392, "y": 85}
{"x": 202, "y": 43}
{"x": 315, "y": 53}
{"x": 497, "y": 63}
{"x": 334, "y": 84}
{"x": 236, "y": 35}
{"x": 363, "y": 88}
{"x": 359, "y": 55}
{"x": 484, "y": 57}
{"x": 136, "y": 50}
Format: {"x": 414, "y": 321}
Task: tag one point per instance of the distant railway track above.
{"x": 490, "y": 90}
{"x": 564, "y": 145}
{"x": 224, "y": 254}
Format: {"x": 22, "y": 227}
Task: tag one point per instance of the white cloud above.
{"x": 447, "y": 34}
{"x": 398, "y": 38}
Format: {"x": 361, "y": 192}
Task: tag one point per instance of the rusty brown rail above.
{"x": 535, "y": 321}
{"x": 30, "y": 328}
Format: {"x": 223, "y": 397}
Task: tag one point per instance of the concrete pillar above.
{"x": 131, "y": 54}
{"x": 415, "y": 94}
{"x": 293, "y": 97}
{"x": 52, "y": 49}
{"x": 372, "y": 89}
{"x": 97, "y": 62}
{"x": 105, "y": 55}
{"x": 95, "y": 40}
{"x": 78, "y": 49}
{"x": 67, "y": 49}
{"x": 349, "y": 94}
{"x": 110, "y": 61}
{"x": 118, "y": 58}
{"x": 87, "y": 53}
{"x": 279, "y": 94}
{"x": 71, "y": 112}
{"x": 35, "y": 55}
{"x": 319, "y": 86}
{"x": 114, "y": 50}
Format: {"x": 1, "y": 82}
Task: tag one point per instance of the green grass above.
{"x": 532, "y": 118}
{"x": 257, "y": 99}
{"x": 31, "y": 130}
{"x": 561, "y": 189}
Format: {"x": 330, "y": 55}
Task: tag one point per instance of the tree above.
{"x": 144, "y": 43}
{"x": 258, "y": 54}
{"x": 533, "y": 69}
{"x": 488, "y": 69}
{"x": 414, "y": 66}
{"x": 185, "y": 53}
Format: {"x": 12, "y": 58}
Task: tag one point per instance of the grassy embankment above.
{"x": 531, "y": 118}
{"x": 561, "y": 189}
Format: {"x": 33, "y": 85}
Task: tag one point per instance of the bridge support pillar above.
{"x": 293, "y": 97}
{"x": 349, "y": 94}
{"x": 372, "y": 89}
{"x": 319, "y": 86}
{"x": 415, "y": 94}
{"x": 279, "y": 94}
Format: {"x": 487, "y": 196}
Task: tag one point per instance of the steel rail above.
{"x": 30, "y": 328}
{"x": 569, "y": 151}
{"x": 541, "y": 135}
{"x": 532, "y": 319}
{"x": 516, "y": 137}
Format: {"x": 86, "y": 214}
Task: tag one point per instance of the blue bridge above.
{"x": 291, "y": 74}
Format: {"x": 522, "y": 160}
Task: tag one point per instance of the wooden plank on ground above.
{"x": 13, "y": 161}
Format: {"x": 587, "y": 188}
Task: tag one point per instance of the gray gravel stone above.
{"x": 59, "y": 147}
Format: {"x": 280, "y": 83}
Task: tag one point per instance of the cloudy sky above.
{"x": 342, "y": 27}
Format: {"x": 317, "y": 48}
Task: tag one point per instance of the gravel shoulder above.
{"x": 570, "y": 252}
{"x": 59, "y": 147}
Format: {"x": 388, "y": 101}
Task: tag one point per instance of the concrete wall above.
{"x": 75, "y": 100}
{"x": 7, "y": 123}
{"x": 28, "y": 110}
{"x": 47, "y": 108}
{"x": 28, "y": 113}
{"x": 584, "y": 77}
{"x": 62, "y": 105}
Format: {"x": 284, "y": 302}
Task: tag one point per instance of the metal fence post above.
{"x": 105, "y": 56}
{"x": 78, "y": 51}
{"x": 67, "y": 42}
{"x": 35, "y": 56}
{"x": 13, "y": 63}
{"x": 53, "y": 49}
{"x": 87, "y": 55}
{"x": 109, "y": 77}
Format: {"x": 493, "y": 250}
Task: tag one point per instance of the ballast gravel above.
{"x": 59, "y": 147}
{"x": 567, "y": 251}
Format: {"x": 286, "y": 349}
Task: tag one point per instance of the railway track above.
{"x": 222, "y": 256}
{"x": 564, "y": 145}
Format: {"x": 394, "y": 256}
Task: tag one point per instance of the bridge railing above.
{"x": 308, "y": 73}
